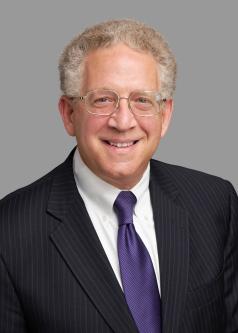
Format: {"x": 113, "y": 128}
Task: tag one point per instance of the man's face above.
{"x": 117, "y": 148}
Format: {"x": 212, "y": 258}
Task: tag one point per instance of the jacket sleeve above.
{"x": 231, "y": 266}
{"x": 11, "y": 316}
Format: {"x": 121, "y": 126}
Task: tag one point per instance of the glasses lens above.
{"x": 144, "y": 103}
{"x": 101, "y": 102}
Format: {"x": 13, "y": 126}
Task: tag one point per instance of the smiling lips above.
{"x": 121, "y": 144}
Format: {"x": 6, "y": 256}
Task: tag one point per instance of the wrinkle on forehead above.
{"x": 120, "y": 68}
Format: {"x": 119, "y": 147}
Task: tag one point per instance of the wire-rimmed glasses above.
{"x": 104, "y": 102}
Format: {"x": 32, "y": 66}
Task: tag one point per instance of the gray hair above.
{"x": 134, "y": 34}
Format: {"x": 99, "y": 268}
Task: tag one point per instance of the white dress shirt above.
{"x": 99, "y": 197}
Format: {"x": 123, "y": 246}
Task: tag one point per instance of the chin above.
{"x": 123, "y": 178}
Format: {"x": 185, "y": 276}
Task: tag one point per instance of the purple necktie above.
{"x": 137, "y": 272}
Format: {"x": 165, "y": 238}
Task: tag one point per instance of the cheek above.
{"x": 87, "y": 127}
{"x": 153, "y": 128}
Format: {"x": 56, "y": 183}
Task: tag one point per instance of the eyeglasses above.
{"x": 104, "y": 102}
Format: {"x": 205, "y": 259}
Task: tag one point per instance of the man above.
{"x": 112, "y": 241}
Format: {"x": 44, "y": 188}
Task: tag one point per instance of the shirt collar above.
{"x": 99, "y": 192}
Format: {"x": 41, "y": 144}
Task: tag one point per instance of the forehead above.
{"x": 121, "y": 66}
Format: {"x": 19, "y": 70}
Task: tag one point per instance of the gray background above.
{"x": 203, "y": 36}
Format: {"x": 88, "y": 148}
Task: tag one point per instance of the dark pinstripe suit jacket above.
{"x": 55, "y": 276}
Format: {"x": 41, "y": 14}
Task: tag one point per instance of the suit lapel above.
{"x": 78, "y": 243}
{"x": 76, "y": 240}
{"x": 171, "y": 226}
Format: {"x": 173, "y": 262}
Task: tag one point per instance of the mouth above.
{"x": 121, "y": 144}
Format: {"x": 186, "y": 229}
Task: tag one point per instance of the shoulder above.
{"x": 24, "y": 217}
{"x": 29, "y": 203}
{"x": 35, "y": 190}
{"x": 210, "y": 201}
{"x": 193, "y": 184}
{"x": 39, "y": 189}
{"x": 182, "y": 175}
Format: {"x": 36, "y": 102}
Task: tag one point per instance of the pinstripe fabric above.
{"x": 55, "y": 277}
{"x": 197, "y": 235}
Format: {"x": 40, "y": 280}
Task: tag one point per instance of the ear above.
{"x": 67, "y": 112}
{"x": 167, "y": 110}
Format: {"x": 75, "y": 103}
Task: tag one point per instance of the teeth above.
{"x": 121, "y": 144}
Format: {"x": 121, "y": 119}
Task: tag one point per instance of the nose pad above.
{"x": 123, "y": 117}
{"x": 125, "y": 105}
{"x": 119, "y": 102}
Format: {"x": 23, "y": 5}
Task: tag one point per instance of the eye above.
{"x": 143, "y": 100}
{"x": 103, "y": 100}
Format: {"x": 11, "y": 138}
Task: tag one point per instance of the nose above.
{"x": 122, "y": 119}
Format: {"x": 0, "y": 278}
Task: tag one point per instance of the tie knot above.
{"x": 123, "y": 206}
